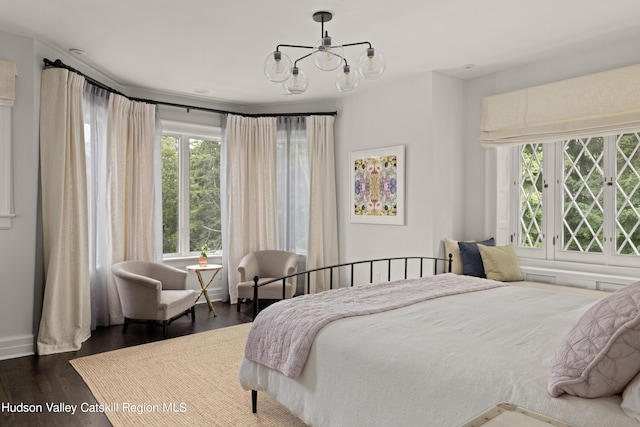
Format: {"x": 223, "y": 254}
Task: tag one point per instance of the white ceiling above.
{"x": 219, "y": 45}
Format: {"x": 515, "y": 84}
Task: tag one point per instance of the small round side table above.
{"x": 199, "y": 269}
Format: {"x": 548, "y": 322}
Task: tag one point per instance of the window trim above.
{"x": 6, "y": 181}
{"x": 183, "y": 132}
{"x": 191, "y": 129}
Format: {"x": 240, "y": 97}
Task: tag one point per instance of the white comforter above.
{"x": 281, "y": 336}
{"x": 438, "y": 363}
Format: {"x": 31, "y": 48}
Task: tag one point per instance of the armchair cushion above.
{"x": 270, "y": 291}
{"x": 174, "y": 302}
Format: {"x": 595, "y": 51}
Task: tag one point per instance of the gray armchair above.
{"x": 267, "y": 265}
{"x": 151, "y": 291}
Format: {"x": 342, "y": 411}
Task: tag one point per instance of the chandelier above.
{"x": 327, "y": 55}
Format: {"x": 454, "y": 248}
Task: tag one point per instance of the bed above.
{"x": 438, "y": 362}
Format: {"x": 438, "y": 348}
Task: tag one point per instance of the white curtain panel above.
{"x": 224, "y": 211}
{"x": 66, "y": 313}
{"x": 131, "y": 187}
{"x": 293, "y": 184}
{"x": 323, "y": 216}
{"x": 157, "y": 183}
{"x": 96, "y": 106}
{"x": 593, "y": 105}
{"x": 251, "y": 190}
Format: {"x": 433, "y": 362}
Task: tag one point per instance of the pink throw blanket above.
{"x": 281, "y": 335}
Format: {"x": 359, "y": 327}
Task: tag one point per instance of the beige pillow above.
{"x": 451, "y": 247}
{"x": 500, "y": 263}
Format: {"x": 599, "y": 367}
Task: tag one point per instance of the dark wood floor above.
{"x": 38, "y": 380}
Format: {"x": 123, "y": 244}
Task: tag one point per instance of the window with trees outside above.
{"x": 579, "y": 199}
{"x": 191, "y": 213}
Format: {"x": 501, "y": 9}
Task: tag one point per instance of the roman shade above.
{"x": 593, "y": 105}
{"x": 7, "y": 82}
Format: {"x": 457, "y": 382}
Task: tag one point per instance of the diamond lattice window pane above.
{"x": 583, "y": 195}
{"x": 628, "y": 194}
{"x": 531, "y": 184}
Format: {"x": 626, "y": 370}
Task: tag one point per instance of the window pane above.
{"x": 628, "y": 194}
{"x": 293, "y": 188}
{"x": 204, "y": 195}
{"x": 583, "y": 195}
{"x": 531, "y": 183}
{"x": 169, "y": 194}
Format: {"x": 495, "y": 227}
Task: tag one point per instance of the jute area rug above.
{"x": 185, "y": 381}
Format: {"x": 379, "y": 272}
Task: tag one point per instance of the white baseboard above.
{"x": 16, "y": 346}
{"x": 214, "y": 295}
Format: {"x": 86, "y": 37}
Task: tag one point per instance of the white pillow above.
{"x": 451, "y": 247}
{"x": 631, "y": 398}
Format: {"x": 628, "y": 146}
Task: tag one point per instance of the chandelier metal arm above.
{"x": 311, "y": 47}
{"x": 295, "y": 63}
{"x": 357, "y": 44}
{"x": 292, "y": 45}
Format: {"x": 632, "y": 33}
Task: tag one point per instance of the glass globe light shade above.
{"x": 347, "y": 80}
{"x": 277, "y": 67}
{"x": 327, "y": 54}
{"x": 371, "y": 64}
{"x": 297, "y": 83}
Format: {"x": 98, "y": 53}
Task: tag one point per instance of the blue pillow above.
{"x": 471, "y": 260}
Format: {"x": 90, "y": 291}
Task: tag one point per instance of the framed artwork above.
{"x": 377, "y": 186}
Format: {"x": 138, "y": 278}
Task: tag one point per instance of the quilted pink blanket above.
{"x": 281, "y": 335}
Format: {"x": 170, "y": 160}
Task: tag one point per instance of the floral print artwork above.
{"x": 376, "y": 186}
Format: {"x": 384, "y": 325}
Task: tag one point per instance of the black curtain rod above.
{"x": 59, "y": 64}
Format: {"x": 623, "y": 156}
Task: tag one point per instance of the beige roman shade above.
{"x": 593, "y": 105}
{"x": 7, "y": 82}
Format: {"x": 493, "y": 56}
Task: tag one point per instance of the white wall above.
{"x": 423, "y": 113}
{"x": 386, "y": 116}
{"x": 18, "y": 245}
{"x": 448, "y": 107}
